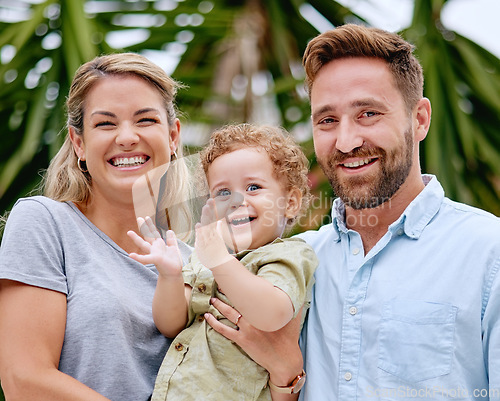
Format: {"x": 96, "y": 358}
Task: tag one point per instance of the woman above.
{"x": 75, "y": 310}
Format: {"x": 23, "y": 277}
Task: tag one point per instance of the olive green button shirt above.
{"x": 203, "y": 365}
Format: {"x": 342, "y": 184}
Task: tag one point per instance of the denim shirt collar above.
{"x": 413, "y": 220}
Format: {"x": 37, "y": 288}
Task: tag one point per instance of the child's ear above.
{"x": 294, "y": 203}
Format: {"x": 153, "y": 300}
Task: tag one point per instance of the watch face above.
{"x": 300, "y": 383}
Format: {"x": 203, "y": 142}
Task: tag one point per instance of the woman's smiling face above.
{"x": 126, "y": 134}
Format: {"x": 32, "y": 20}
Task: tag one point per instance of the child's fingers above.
{"x": 205, "y": 215}
{"x": 144, "y": 259}
{"x": 172, "y": 243}
{"x": 147, "y": 228}
{"x": 199, "y": 233}
{"x": 219, "y": 228}
{"x": 138, "y": 241}
{"x": 171, "y": 239}
{"x": 144, "y": 230}
{"x": 209, "y": 213}
{"x": 213, "y": 213}
{"x": 140, "y": 222}
{"x": 152, "y": 228}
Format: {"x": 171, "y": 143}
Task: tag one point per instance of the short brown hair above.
{"x": 350, "y": 40}
{"x": 289, "y": 162}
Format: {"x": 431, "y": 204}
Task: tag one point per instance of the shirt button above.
{"x": 348, "y": 376}
{"x": 353, "y": 310}
{"x": 201, "y": 318}
{"x": 202, "y": 287}
{"x": 400, "y": 231}
{"x": 355, "y": 251}
{"x": 179, "y": 347}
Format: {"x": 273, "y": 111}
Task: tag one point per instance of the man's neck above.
{"x": 372, "y": 224}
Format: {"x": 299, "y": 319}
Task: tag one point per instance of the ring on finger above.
{"x": 237, "y": 319}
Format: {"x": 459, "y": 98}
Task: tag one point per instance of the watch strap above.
{"x": 293, "y": 388}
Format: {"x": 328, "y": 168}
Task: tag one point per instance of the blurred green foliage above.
{"x": 241, "y": 62}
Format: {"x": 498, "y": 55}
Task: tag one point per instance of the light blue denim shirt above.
{"x": 418, "y": 317}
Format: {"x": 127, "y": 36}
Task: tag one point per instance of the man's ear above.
{"x": 422, "y": 115}
{"x": 293, "y": 203}
{"x": 77, "y": 141}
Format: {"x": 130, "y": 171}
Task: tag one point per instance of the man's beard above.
{"x": 368, "y": 191}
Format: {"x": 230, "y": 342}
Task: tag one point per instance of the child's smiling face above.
{"x": 255, "y": 201}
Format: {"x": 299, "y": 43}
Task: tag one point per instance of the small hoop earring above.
{"x": 174, "y": 154}
{"x": 79, "y": 164}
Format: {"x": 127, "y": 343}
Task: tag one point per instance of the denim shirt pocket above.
{"x": 416, "y": 339}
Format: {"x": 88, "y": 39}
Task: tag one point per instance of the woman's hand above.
{"x": 278, "y": 352}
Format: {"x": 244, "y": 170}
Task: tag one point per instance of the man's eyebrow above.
{"x": 370, "y": 102}
{"x": 322, "y": 110}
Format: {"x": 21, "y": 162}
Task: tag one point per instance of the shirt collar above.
{"x": 241, "y": 254}
{"x": 414, "y": 219}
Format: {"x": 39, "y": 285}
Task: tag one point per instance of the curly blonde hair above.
{"x": 289, "y": 161}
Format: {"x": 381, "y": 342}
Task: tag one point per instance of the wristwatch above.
{"x": 294, "y": 387}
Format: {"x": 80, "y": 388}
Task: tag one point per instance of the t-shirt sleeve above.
{"x": 290, "y": 265}
{"x": 31, "y": 250}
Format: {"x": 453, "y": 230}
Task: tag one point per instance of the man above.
{"x": 406, "y": 303}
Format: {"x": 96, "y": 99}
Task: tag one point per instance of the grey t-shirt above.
{"x": 111, "y": 343}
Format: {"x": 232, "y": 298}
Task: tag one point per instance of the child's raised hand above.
{"x": 209, "y": 245}
{"x": 165, "y": 256}
{"x": 148, "y": 229}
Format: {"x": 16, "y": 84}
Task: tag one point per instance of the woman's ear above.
{"x": 294, "y": 203}
{"x": 77, "y": 141}
{"x": 175, "y": 135}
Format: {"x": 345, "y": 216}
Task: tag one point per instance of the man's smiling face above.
{"x": 363, "y": 135}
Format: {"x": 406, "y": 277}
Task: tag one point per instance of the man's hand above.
{"x": 278, "y": 352}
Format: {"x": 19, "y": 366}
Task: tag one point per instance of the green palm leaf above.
{"x": 463, "y": 83}
{"x": 238, "y": 58}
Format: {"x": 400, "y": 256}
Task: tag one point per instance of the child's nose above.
{"x": 236, "y": 200}
{"x": 227, "y": 205}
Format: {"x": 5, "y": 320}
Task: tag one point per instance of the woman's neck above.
{"x": 114, "y": 219}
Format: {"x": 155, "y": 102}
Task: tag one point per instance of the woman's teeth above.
{"x": 128, "y": 161}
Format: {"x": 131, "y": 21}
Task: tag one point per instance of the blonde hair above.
{"x": 289, "y": 162}
{"x": 350, "y": 40}
{"x": 65, "y": 181}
